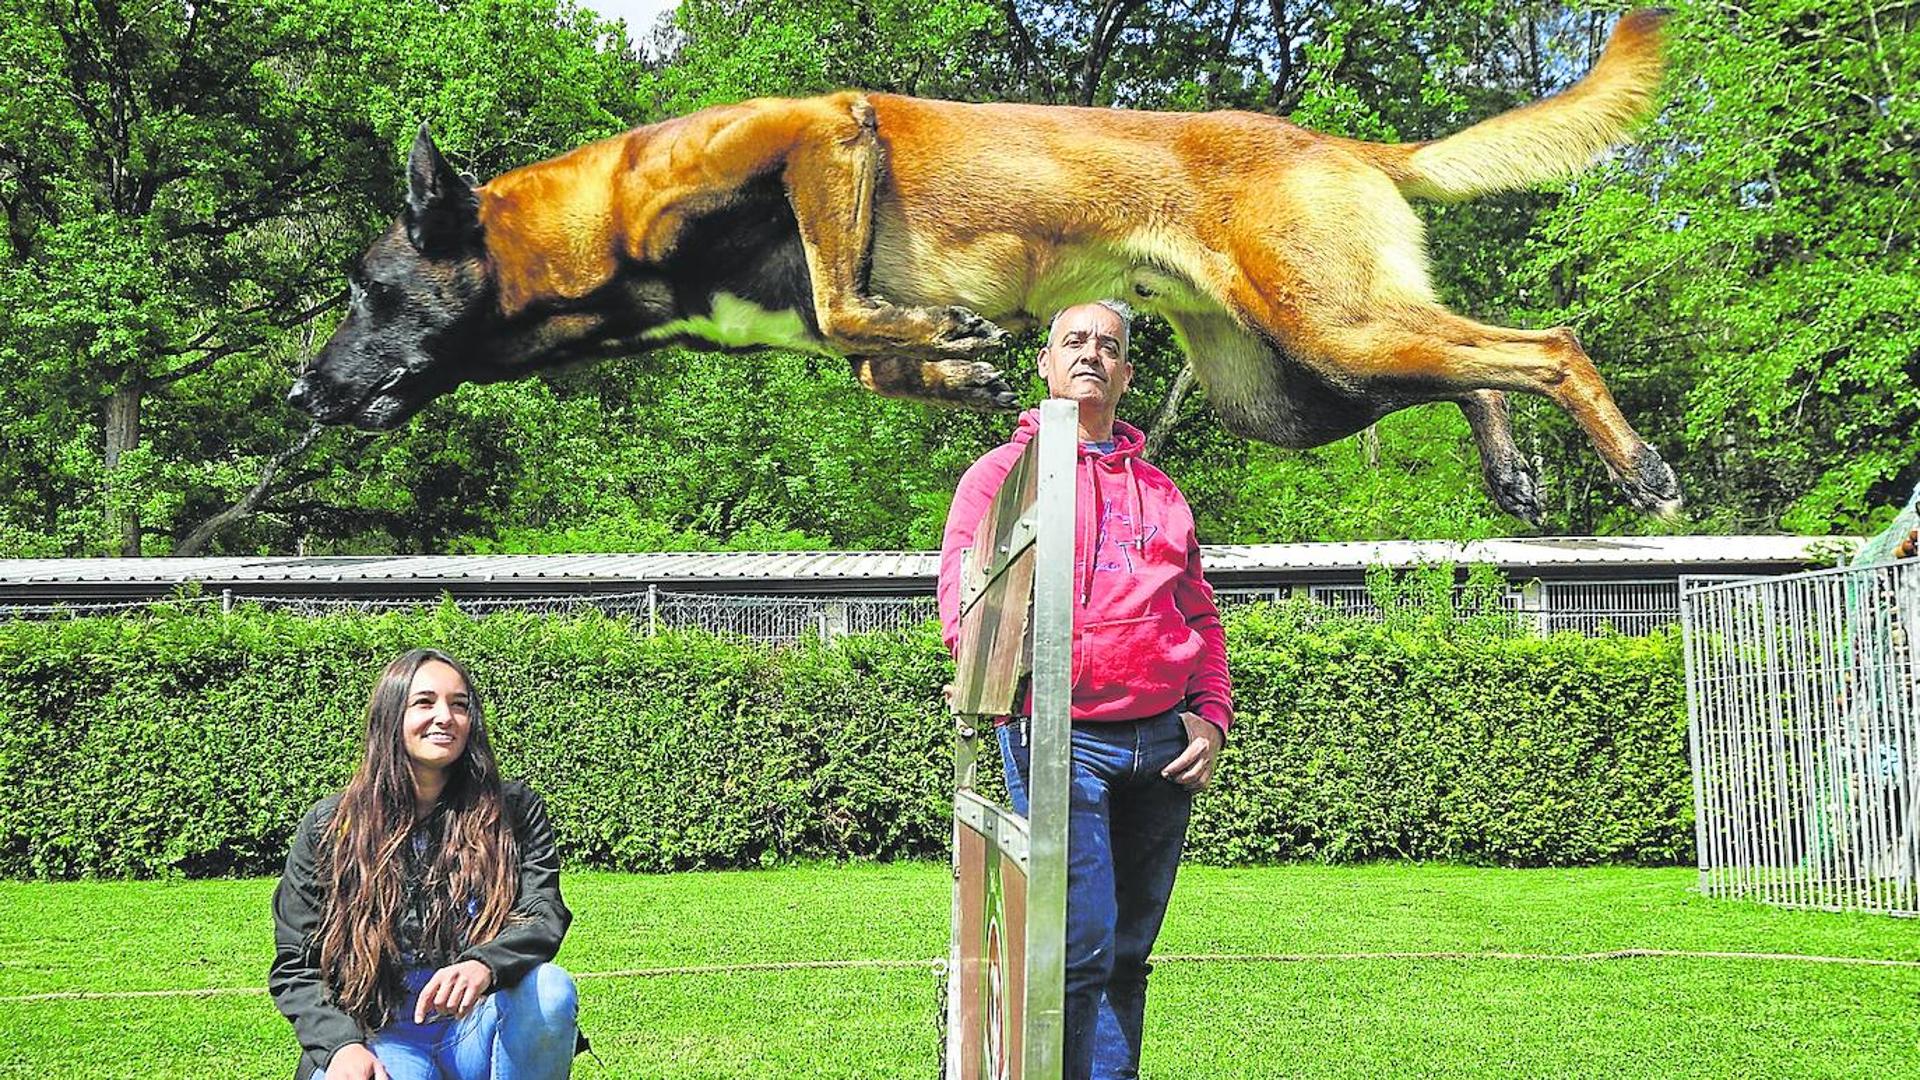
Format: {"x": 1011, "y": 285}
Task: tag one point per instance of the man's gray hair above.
{"x": 1118, "y": 307}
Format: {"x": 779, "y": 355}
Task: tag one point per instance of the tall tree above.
{"x": 170, "y": 171}
{"x": 183, "y": 185}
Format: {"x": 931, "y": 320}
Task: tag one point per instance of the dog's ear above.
{"x": 442, "y": 211}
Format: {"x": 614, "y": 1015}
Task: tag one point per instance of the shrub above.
{"x": 190, "y": 743}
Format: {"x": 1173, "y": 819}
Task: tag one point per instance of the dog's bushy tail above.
{"x": 1547, "y": 140}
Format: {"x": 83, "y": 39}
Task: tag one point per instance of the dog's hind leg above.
{"x": 1346, "y": 293}
{"x": 967, "y": 384}
{"x": 1509, "y": 475}
{"x": 830, "y": 176}
{"x": 1440, "y": 351}
{"x": 1260, "y": 393}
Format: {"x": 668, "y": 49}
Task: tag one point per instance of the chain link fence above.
{"x": 1638, "y": 607}
{"x": 778, "y": 620}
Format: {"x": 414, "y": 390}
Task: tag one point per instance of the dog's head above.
{"x": 419, "y": 303}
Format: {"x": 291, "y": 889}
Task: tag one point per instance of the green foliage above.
{"x": 1364, "y": 741}
{"x": 183, "y": 185}
{"x": 733, "y": 49}
{"x": 197, "y": 741}
{"x": 191, "y": 743}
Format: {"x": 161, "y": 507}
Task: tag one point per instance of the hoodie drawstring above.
{"x": 1093, "y": 533}
{"x": 1133, "y": 488}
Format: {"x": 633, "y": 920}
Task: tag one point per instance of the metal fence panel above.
{"x": 1620, "y": 607}
{"x": 1593, "y": 608}
{"x": 1803, "y": 709}
{"x": 1587, "y": 607}
{"x": 774, "y": 620}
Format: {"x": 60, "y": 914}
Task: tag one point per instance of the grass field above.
{"x": 1547, "y": 1013}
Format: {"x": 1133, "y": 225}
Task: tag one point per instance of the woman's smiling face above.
{"x": 439, "y": 717}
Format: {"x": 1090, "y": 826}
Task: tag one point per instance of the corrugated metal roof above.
{"x": 1527, "y": 553}
{"x": 873, "y": 571}
{"x": 659, "y": 568}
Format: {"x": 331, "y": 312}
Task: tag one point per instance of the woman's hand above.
{"x": 454, "y": 990}
{"x": 355, "y": 1062}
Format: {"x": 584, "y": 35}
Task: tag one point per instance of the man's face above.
{"x": 1086, "y": 358}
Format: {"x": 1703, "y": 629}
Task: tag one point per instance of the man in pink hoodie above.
{"x": 1151, "y": 697}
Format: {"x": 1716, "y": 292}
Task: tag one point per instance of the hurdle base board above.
{"x": 988, "y": 968}
{"x": 987, "y": 960}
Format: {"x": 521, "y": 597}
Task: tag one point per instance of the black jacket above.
{"x": 295, "y": 981}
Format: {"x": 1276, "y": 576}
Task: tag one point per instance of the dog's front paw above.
{"x": 962, "y": 333}
{"x": 1652, "y": 487}
{"x": 973, "y": 385}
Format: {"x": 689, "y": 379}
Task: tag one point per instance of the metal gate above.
{"x": 1803, "y": 710}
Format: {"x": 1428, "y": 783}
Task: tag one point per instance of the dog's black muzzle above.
{"x": 321, "y": 398}
{"x": 301, "y": 396}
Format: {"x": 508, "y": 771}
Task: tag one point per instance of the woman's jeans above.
{"x": 1126, "y": 825}
{"x": 521, "y": 1032}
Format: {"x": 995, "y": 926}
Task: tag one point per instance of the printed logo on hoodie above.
{"x": 1114, "y": 523}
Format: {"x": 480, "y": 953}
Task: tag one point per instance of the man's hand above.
{"x": 355, "y": 1062}
{"x": 1194, "y": 767}
{"x": 454, "y": 990}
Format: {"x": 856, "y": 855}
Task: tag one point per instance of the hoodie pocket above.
{"x": 1130, "y": 654}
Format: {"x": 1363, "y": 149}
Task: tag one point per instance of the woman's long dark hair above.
{"x": 471, "y": 884}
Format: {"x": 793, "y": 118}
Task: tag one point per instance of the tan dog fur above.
{"x": 1289, "y": 263}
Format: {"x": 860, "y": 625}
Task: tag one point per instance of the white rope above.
{"x": 1172, "y": 958}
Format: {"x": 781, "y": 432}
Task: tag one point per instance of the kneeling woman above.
{"x": 420, "y": 911}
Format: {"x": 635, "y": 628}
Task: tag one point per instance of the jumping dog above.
{"x": 907, "y": 235}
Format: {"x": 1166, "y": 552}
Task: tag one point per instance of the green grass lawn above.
{"x": 1346, "y": 1017}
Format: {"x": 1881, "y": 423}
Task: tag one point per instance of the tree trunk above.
{"x": 1108, "y": 25}
{"x": 1280, "y": 97}
{"x": 1370, "y": 445}
{"x": 1169, "y": 413}
{"x": 123, "y": 434}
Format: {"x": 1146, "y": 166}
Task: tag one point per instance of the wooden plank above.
{"x": 997, "y": 575}
{"x": 1013, "y": 981}
{"x": 968, "y": 968}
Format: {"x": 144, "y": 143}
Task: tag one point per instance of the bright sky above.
{"x": 639, "y": 14}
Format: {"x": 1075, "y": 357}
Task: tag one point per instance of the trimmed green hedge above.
{"x": 183, "y": 742}
{"x": 1426, "y": 738}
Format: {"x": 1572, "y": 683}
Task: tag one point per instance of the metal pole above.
{"x": 1052, "y": 735}
{"x": 1692, "y": 650}
{"x": 1533, "y": 600}
{"x": 653, "y": 611}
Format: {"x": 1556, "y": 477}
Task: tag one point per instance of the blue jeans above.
{"x": 1126, "y": 826}
{"x": 521, "y": 1032}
